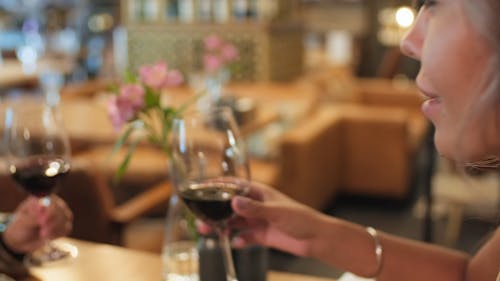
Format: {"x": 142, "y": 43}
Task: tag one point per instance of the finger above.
{"x": 63, "y": 209}
{"x": 247, "y": 238}
{"x": 57, "y": 221}
{"x": 249, "y": 208}
{"x": 28, "y": 206}
{"x": 241, "y": 223}
{"x": 255, "y": 192}
{"x": 60, "y": 204}
{"x": 65, "y": 224}
{"x": 57, "y": 210}
{"x": 56, "y": 228}
{"x": 238, "y": 223}
{"x": 252, "y": 189}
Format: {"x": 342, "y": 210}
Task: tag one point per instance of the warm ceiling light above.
{"x": 405, "y": 17}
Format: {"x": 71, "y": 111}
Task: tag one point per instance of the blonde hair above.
{"x": 483, "y": 15}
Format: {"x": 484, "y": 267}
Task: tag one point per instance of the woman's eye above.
{"x": 423, "y": 3}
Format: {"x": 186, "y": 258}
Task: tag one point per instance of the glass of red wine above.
{"x": 209, "y": 167}
{"x": 38, "y": 157}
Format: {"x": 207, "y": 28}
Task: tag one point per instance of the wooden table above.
{"x": 12, "y": 74}
{"x": 87, "y": 122}
{"x": 287, "y": 99}
{"x": 87, "y": 119}
{"x": 101, "y": 262}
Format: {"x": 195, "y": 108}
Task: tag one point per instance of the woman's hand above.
{"x": 34, "y": 224}
{"x": 270, "y": 218}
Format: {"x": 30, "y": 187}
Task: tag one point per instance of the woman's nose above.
{"x": 412, "y": 42}
{"x": 408, "y": 48}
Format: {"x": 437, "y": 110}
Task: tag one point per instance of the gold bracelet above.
{"x": 379, "y": 251}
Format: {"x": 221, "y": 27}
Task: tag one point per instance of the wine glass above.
{"x": 38, "y": 157}
{"x": 210, "y": 167}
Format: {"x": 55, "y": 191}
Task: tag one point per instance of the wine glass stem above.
{"x": 226, "y": 253}
{"x": 45, "y": 202}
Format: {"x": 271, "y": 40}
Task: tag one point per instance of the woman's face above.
{"x": 453, "y": 60}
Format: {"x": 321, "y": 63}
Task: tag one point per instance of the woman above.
{"x": 458, "y": 44}
{"x": 28, "y": 229}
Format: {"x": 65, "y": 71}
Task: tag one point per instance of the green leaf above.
{"x": 124, "y": 165}
{"x": 168, "y": 111}
{"x": 191, "y": 222}
{"x": 151, "y": 98}
{"x": 122, "y": 139}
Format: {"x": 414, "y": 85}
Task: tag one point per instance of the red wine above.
{"x": 211, "y": 201}
{"x": 39, "y": 175}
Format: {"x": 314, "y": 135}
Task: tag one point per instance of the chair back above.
{"x": 310, "y": 167}
{"x": 10, "y": 193}
{"x": 89, "y": 197}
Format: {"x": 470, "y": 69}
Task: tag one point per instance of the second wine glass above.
{"x": 210, "y": 167}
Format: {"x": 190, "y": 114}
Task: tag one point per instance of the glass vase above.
{"x": 180, "y": 249}
{"x": 214, "y": 84}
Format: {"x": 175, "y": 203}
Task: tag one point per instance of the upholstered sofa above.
{"x": 365, "y": 147}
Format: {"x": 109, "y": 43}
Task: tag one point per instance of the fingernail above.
{"x": 242, "y": 203}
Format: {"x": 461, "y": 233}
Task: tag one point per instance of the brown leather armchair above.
{"x": 310, "y": 159}
{"x": 307, "y": 169}
{"x": 378, "y": 151}
{"x": 351, "y": 148}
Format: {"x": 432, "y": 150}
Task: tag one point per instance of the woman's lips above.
{"x": 431, "y": 105}
{"x": 426, "y": 93}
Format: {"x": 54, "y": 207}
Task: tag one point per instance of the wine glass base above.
{"x": 52, "y": 252}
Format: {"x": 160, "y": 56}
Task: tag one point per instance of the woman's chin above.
{"x": 444, "y": 147}
{"x": 460, "y": 153}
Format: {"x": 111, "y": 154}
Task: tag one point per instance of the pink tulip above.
{"x": 115, "y": 113}
{"x": 218, "y": 53}
{"x": 124, "y": 106}
{"x": 212, "y": 63}
{"x": 158, "y": 76}
{"x": 133, "y": 94}
{"x": 212, "y": 42}
{"x": 129, "y": 100}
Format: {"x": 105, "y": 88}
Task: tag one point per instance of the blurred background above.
{"x": 348, "y": 114}
{"x": 361, "y": 34}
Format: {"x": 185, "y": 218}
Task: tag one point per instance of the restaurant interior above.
{"x": 324, "y": 100}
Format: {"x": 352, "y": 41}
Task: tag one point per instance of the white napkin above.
{"x": 351, "y": 277}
